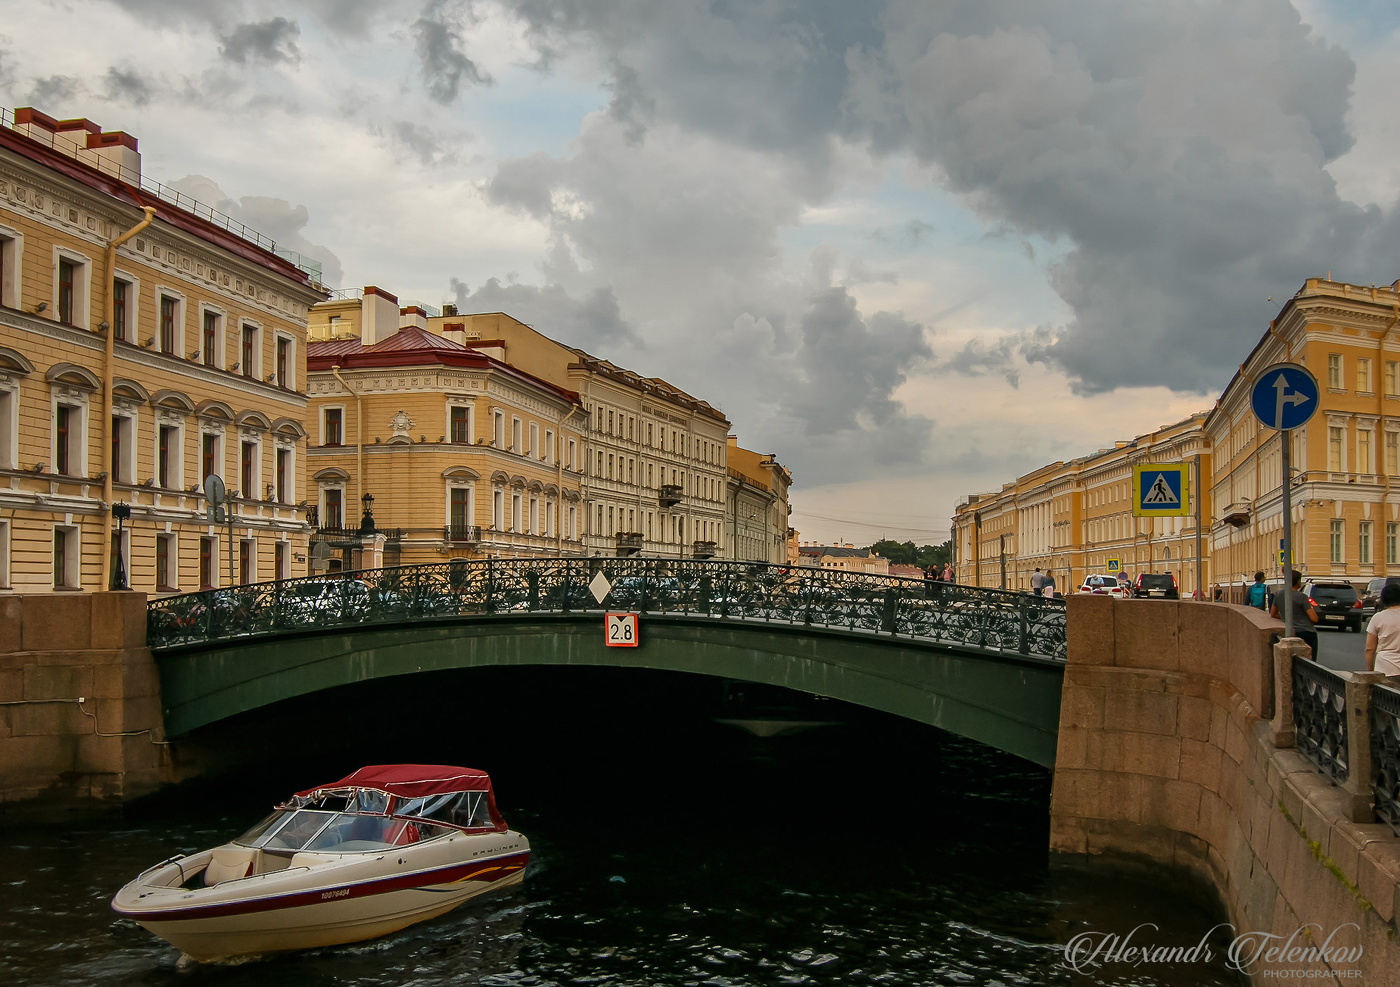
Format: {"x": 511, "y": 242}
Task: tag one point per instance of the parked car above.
{"x": 1336, "y": 603}
{"x": 1371, "y": 599}
{"x": 1158, "y": 585}
{"x": 1103, "y": 585}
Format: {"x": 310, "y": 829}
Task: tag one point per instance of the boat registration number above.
{"x": 337, "y": 893}
{"x": 620, "y": 630}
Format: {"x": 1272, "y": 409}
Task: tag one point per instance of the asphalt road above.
{"x": 1341, "y": 649}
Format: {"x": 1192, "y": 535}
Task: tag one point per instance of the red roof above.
{"x": 411, "y": 780}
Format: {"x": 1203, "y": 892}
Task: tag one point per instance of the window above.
{"x": 249, "y": 351}
{"x": 167, "y": 453}
{"x": 60, "y": 557}
{"x": 208, "y": 456}
{"x": 498, "y": 429}
{"x": 498, "y": 516}
{"x": 1335, "y": 437}
{"x": 1363, "y": 451}
{"x": 121, "y": 308}
{"x": 284, "y": 356}
{"x": 459, "y": 509}
{"x": 66, "y": 272}
{"x": 1334, "y": 370}
{"x": 573, "y": 523}
{"x": 64, "y": 421}
{"x": 284, "y": 490}
{"x": 247, "y": 561}
{"x": 1363, "y": 375}
{"x": 648, "y": 474}
{"x": 9, "y": 428}
{"x": 610, "y": 423}
{"x": 281, "y": 561}
{"x": 331, "y": 427}
{"x": 1335, "y": 540}
{"x": 1392, "y": 378}
{"x": 1363, "y": 543}
{"x": 515, "y": 518}
{"x": 610, "y": 466}
{"x": 534, "y": 448}
{"x": 206, "y": 563}
{"x": 1392, "y": 543}
{"x": 209, "y": 342}
{"x": 548, "y": 456}
{"x": 166, "y": 558}
{"x": 610, "y": 522}
{"x": 332, "y": 516}
{"x": 11, "y": 246}
{"x": 515, "y": 435}
{"x": 572, "y": 448}
{"x": 532, "y": 519}
{"x": 247, "y": 470}
{"x": 121, "y": 448}
{"x": 167, "y": 324}
{"x": 1392, "y": 452}
{"x": 457, "y": 428}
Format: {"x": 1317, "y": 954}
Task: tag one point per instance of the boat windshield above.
{"x": 465, "y": 809}
{"x": 336, "y": 832}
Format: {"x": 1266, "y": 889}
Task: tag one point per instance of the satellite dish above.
{"x": 214, "y": 490}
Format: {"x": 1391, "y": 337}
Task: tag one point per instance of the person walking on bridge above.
{"x": 1258, "y": 595}
{"x": 1383, "y": 634}
{"x": 1302, "y": 607}
{"x": 1037, "y": 581}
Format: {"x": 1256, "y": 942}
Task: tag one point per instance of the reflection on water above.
{"x": 667, "y": 850}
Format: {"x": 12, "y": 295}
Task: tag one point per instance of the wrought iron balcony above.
{"x": 629, "y": 542}
{"x": 462, "y": 533}
{"x": 670, "y": 495}
{"x": 704, "y": 549}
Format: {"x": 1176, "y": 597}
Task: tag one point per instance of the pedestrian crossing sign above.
{"x": 1162, "y": 490}
{"x": 1114, "y": 567}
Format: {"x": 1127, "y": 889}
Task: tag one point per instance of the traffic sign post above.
{"x": 1113, "y": 566}
{"x": 1285, "y": 396}
{"x": 1162, "y": 490}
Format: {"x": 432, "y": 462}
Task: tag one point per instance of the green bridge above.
{"x": 980, "y": 663}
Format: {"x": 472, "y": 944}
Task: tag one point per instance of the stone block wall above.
{"x": 57, "y": 752}
{"x": 1167, "y": 751}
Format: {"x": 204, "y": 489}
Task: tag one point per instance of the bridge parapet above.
{"x": 914, "y": 609}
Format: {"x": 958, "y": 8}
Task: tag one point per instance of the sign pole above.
{"x": 1286, "y": 435}
{"x": 1200, "y": 590}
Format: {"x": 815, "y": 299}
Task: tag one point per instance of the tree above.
{"x": 907, "y": 553}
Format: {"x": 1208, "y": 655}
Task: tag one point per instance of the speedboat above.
{"x": 361, "y": 857}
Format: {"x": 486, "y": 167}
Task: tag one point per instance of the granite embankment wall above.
{"x": 1176, "y": 746}
{"x": 80, "y": 713}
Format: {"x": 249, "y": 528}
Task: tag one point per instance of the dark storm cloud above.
{"x": 54, "y": 89}
{"x": 340, "y": 16}
{"x": 593, "y": 323}
{"x": 128, "y": 86}
{"x": 268, "y": 42}
{"x": 438, "y": 36}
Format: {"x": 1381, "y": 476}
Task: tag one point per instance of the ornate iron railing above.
{"x": 1320, "y": 715}
{"x": 1385, "y": 754}
{"x": 944, "y": 613}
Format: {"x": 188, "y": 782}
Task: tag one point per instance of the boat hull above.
{"x": 317, "y": 902}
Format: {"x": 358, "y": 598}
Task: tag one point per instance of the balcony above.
{"x": 1236, "y": 515}
{"x": 704, "y": 550}
{"x": 670, "y": 495}
{"x": 629, "y": 542}
{"x": 467, "y": 533}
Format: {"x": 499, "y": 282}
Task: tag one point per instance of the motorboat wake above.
{"x": 381, "y": 849}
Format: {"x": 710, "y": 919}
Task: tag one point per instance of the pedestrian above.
{"x": 1302, "y": 608}
{"x": 1216, "y": 593}
{"x": 948, "y": 572}
{"x": 1047, "y": 588}
{"x": 1037, "y": 580}
{"x": 1258, "y": 594}
{"x": 1383, "y": 634}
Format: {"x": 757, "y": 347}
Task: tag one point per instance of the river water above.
{"x": 667, "y": 850}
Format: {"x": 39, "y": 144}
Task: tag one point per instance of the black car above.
{"x": 1371, "y": 599}
{"x": 1159, "y": 585}
{"x": 1336, "y": 603}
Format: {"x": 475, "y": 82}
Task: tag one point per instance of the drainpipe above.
{"x": 109, "y": 354}
{"x": 977, "y": 548}
{"x": 359, "y": 443}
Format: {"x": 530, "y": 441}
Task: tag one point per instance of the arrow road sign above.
{"x": 1285, "y": 396}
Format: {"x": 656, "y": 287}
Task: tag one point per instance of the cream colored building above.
{"x": 1346, "y": 460}
{"x": 653, "y": 457}
{"x": 756, "y": 507}
{"x": 465, "y": 456}
{"x": 135, "y": 364}
{"x": 846, "y": 558}
{"x": 1070, "y": 519}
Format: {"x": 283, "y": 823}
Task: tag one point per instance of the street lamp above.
{"x": 122, "y": 512}
{"x": 367, "y": 522}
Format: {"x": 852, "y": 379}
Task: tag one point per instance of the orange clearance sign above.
{"x": 620, "y": 630}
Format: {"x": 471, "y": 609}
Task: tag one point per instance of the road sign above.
{"x": 620, "y": 630}
{"x": 1114, "y": 566}
{"x": 214, "y": 490}
{"x": 1285, "y": 396}
{"x": 1161, "y": 490}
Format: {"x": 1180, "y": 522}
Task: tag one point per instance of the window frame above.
{"x": 80, "y": 303}
{"x": 177, "y": 325}
{"x": 324, "y": 420}
{"x": 250, "y": 368}
{"x": 11, "y": 267}
{"x": 469, "y": 414}
{"x": 215, "y": 359}
{"x": 129, "y": 309}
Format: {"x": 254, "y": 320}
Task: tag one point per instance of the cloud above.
{"x": 54, "y": 89}
{"x": 438, "y": 37}
{"x": 128, "y": 86}
{"x": 267, "y": 42}
{"x": 593, "y": 323}
{"x": 272, "y": 217}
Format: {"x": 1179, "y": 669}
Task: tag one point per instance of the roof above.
{"x": 834, "y": 551}
{"x": 410, "y": 780}
{"x": 414, "y": 346}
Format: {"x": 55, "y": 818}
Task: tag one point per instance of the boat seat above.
{"x": 228, "y": 863}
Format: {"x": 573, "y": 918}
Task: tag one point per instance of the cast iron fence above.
{"x": 1385, "y": 754}
{"x": 1320, "y": 717}
{"x": 924, "y": 610}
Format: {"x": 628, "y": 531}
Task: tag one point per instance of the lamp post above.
{"x": 367, "y": 522}
{"x": 122, "y": 513}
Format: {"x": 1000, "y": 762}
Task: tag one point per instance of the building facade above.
{"x": 846, "y": 558}
{"x": 144, "y": 346}
{"x": 462, "y": 455}
{"x": 756, "y": 506}
{"x": 1070, "y": 519}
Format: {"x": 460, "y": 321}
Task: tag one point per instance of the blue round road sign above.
{"x": 1284, "y": 396}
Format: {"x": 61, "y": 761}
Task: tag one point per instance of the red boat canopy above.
{"x": 410, "y": 780}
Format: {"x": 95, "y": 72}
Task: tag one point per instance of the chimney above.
{"x": 118, "y": 154}
{"x": 379, "y": 315}
{"x": 455, "y": 331}
{"x": 111, "y": 153}
{"x": 413, "y": 316}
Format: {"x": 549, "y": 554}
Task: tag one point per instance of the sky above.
{"x": 912, "y": 249}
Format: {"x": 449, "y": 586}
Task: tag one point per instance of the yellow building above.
{"x": 1070, "y": 519}
{"x": 1346, "y": 510}
{"x": 757, "y": 506}
{"x": 144, "y": 345}
{"x": 846, "y": 558}
{"x": 463, "y": 455}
